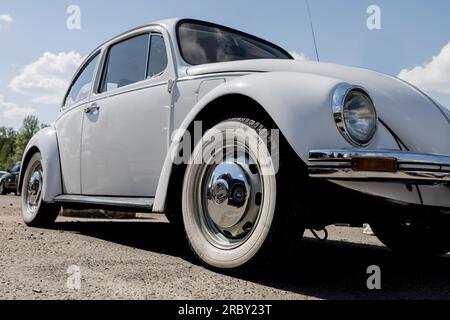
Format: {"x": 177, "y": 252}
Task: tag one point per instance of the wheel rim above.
{"x": 34, "y": 189}
{"x": 230, "y": 197}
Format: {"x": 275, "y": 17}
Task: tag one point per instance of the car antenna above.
{"x": 312, "y": 29}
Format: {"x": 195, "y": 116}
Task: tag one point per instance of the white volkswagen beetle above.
{"x": 278, "y": 146}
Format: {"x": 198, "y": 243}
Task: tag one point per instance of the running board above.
{"x": 144, "y": 204}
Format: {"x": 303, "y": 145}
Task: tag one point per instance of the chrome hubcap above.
{"x": 34, "y": 189}
{"x": 232, "y": 195}
{"x": 227, "y": 195}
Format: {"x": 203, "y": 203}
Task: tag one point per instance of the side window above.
{"x": 126, "y": 63}
{"x": 157, "y": 62}
{"x": 82, "y": 86}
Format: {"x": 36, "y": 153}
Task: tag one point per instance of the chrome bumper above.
{"x": 382, "y": 165}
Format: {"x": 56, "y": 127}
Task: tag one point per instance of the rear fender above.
{"x": 46, "y": 143}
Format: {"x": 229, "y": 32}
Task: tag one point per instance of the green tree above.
{"x": 29, "y": 128}
{"x": 13, "y": 143}
{"x": 7, "y": 141}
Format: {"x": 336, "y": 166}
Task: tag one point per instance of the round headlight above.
{"x": 355, "y": 114}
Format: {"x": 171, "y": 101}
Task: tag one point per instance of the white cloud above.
{"x": 11, "y": 111}
{"x": 5, "y": 20}
{"x": 47, "y": 79}
{"x": 298, "y": 56}
{"x": 432, "y": 76}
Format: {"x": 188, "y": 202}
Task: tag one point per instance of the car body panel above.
{"x": 45, "y": 142}
{"x": 300, "y": 104}
{"x": 437, "y": 195}
{"x": 113, "y": 161}
{"x": 69, "y": 127}
{"x": 401, "y": 106}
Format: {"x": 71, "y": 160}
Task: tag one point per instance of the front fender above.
{"x": 45, "y": 142}
{"x": 300, "y": 105}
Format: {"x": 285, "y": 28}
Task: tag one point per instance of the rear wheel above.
{"x": 232, "y": 196}
{"x": 36, "y": 212}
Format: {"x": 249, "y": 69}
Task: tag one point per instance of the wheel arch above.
{"x": 210, "y": 114}
{"x": 26, "y": 159}
{"x": 237, "y": 104}
{"x": 46, "y": 143}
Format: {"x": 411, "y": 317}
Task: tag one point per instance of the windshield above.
{"x": 202, "y": 43}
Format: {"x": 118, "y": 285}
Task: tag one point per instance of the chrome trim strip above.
{"x": 143, "y": 203}
{"x": 413, "y": 167}
{"x": 215, "y": 75}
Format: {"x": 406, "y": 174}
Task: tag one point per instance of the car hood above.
{"x": 413, "y": 116}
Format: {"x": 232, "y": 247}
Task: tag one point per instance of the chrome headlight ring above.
{"x": 344, "y": 95}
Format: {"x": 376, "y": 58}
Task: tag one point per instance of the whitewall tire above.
{"x": 229, "y": 197}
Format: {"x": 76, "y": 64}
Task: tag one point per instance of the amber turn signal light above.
{"x": 375, "y": 164}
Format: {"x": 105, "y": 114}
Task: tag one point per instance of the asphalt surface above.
{"x": 146, "y": 259}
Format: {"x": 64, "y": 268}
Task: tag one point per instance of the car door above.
{"x": 68, "y": 125}
{"x": 125, "y": 130}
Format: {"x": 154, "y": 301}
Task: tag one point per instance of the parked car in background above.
{"x": 8, "y": 181}
{"x": 353, "y": 145}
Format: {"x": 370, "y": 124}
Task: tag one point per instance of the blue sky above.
{"x": 34, "y": 34}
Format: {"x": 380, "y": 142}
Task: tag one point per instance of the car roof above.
{"x": 169, "y": 24}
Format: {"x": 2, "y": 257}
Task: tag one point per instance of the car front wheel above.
{"x": 36, "y": 212}
{"x": 231, "y": 197}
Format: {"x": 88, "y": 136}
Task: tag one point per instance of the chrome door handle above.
{"x": 91, "y": 109}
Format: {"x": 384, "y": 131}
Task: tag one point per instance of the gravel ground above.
{"x": 145, "y": 259}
